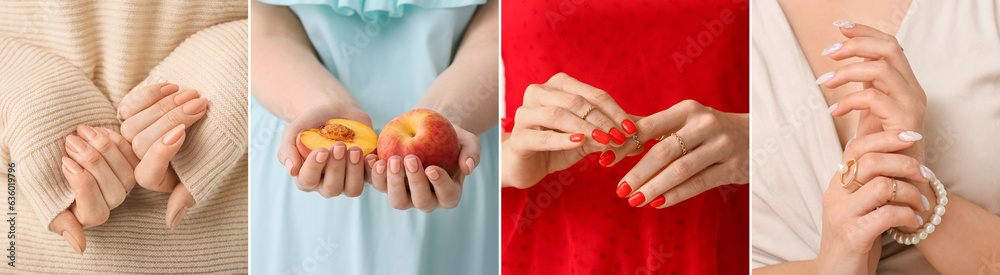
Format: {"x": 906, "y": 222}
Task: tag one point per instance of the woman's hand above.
{"x": 551, "y": 130}
{"x": 330, "y": 172}
{"x": 412, "y": 185}
{"x": 100, "y": 171}
{"x": 855, "y": 216}
{"x": 717, "y": 153}
{"x": 892, "y": 98}
{"x": 155, "y": 118}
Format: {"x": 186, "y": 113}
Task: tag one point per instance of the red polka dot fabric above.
{"x": 649, "y": 55}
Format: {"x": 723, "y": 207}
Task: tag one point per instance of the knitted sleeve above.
{"x": 42, "y": 100}
{"x": 214, "y": 62}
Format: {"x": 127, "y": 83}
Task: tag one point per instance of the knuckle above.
{"x": 90, "y": 159}
{"x": 577, "y": 102}
{"x": 661, "y": 151}
{"x": 882, "y": 66}
{"x": 601, "y": 96}
{"x": 681, "y": 168}
{"x": 560, "y": 76}
{"x": 690, "y": 105}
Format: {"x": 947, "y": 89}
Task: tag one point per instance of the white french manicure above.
{"x": 832, "y": 107}
{"x": 844, "y": 24}
{"x": 831, "y": 49}
{"x": 927, "y": 204}
{"x": 910, "y": 136}
{"x": 824, "y": 78}
{"x": 926, "y": 172}
{"x": 920, "y": 220}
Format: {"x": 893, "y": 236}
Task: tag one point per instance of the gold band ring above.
{"x": 638, "y": 144}
{"x": 846, "y": 167}
{"x": 584, "y": 117}
{"x": 893, "y": 196}
{"x": 680, "y": 141}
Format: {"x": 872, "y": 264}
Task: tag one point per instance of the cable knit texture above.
{"x": 66, "y": 63}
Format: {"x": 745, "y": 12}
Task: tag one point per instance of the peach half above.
{"x": 350, "y": 132}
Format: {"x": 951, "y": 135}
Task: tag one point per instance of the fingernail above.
{"x": 355, "y": 156}
{"x": 178, "y": 217}
{"x": 433, "y": 174}
{"x": 607, "y": 158}
{"x": 71, "y": 167}
{"x": 623, "y": 189}
{"x": 636, "y": 199}
{"x": 174, "y": 135}
{"x": 322, "y": 156}
{"x": 394, "y": 164}
{"x": 617, "y": 135}
{"x": 629, "y": 127}
{"x": 371, "y": 159}
{"x": 72, "y": 242}
{"x": 168, "y": 89}
{"x": 824, "y": 78}
{"x": 185, "y": 96}
{"x": 920, "y": 220}
{"x": 411, "y": 164}
{"x": 658, "y": 201}
{"x": 195, "y": 106}
{"x": 910, "y": 136}
{"x": 831, "y": 49}
{"x": 86, "y": 132}
{"x": 471, "y": 163}
{"x": 338, "y": 151}
{"x": 926, "y": 172}
{"x": 380, "y": 168}
{"x": 576, "y": 138}
{"x": 76, "y": 144}
{"x": 601, "y": 137}
{"x": 844, "y": 24}
{"x": 832, "y": 108}
{"x": 927, "y": 204}
{"x": 288, "y": 165}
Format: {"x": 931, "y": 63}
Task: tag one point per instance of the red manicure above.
{"x": 576, "y": 138}
{"x": 629, "y": 127}
{"x": 607, "y": 158}
{"x": 624, "y": 189}
{"x": 618, "y": 137}
{"x": 601, "y": 137}
{"x": 636, "y": 199}
{"x": 658, "y": 201}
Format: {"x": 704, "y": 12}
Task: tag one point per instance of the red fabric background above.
{"x": 648, "y": 55}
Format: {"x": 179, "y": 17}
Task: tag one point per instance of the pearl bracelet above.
{"x": 928, "y": 228}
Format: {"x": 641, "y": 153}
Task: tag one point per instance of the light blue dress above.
{"x": 387, "y": 54}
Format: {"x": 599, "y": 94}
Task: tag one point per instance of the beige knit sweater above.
{"x": 65, "y": 63}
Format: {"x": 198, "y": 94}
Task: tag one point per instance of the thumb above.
{"x": 65, "y": 224}
{"x": 177, "y": 205}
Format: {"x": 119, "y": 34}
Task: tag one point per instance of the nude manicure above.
{"x": 844, "y": 24}
{"x": 86, "y": 132}
{"x": 831, "y": 49}
{"x": 322, "y": 156}
{"x": 411, "y": 164}
{"x": 910, "y": 136}
{"x": 174, "y": 135}
{"x": 72, "y": 168}
{"x": 824, "y": 78}
{"x": 185, "y": 96}
{"x": 76, "y": 144}
{"x": 394, "y": 164}
{"x": 168, "y": 89}
{"x": 355, "y": 156}
{"x": 72, "y": 241}
{"x": 195, "y": 106}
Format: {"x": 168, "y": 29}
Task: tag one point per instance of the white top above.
{"x": 954, "y": 50}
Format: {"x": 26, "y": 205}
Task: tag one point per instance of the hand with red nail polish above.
{"x": 717, "y": 146}
{"x": 561, "y": 122}
{"x": 410, "y": 184}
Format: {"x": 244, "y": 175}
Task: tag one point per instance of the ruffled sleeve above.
{"x": 376, "y": 10}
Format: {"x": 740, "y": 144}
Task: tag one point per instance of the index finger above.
{"x": 601, "y": 99}
{"x": 140, "y": 99}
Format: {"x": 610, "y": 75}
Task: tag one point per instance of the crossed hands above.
{"x": 103, "y": 166}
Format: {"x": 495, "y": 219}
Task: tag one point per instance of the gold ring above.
{"x": 893, "y": 196}
{"x": 684, "y": 150}
{"x": 584, "y": 117}
{"x": 846, "y": 167}
{"x": 661, "y": 138}
{"x": 638, "y": 144}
